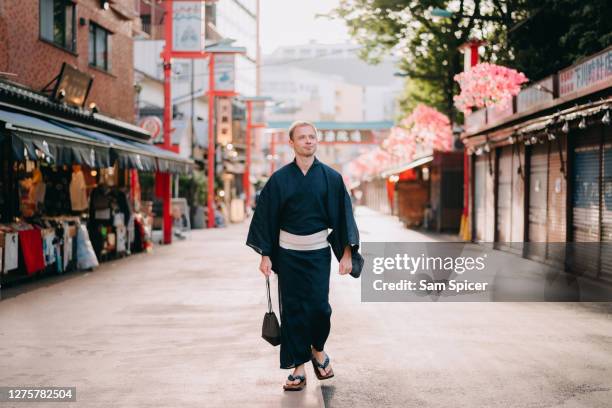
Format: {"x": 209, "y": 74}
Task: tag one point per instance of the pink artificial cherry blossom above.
{"x": 486, "y": 85}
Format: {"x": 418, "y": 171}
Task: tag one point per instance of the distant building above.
{"x": 235, "y": 19}
{"x": 333, "y": 76}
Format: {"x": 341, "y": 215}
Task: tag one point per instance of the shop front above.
{"x": 70, "y": 193}
{"x": 428, "y": 191}
{"x": 541, "y": 171}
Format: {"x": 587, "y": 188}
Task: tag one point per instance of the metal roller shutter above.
{"x": 537, "y": 215}
{"x": 518, "y": 198}
{"x": 503, "y": 224}
{"x": 490, "y": 197}
{"x": 586, "y": 201}
{"x": 557, "y": 193}
{"x": 480, "y": 170}
{"x": 606, "y": 211}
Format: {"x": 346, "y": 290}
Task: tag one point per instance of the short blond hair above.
{"x": 300, "y": 123}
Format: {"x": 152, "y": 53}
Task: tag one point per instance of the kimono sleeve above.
{"x": 352, "y": 232}
{"x": 345, "y": 230}
{"x": 263, "y": 230}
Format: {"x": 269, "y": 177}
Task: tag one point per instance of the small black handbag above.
{"x": 357, "y": 264}
{"x": 270, "y": 329}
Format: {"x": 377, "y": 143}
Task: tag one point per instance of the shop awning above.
{"x": 61, "y": 143}
{"x": 132, "y": 154}
{"x": 415, "y": 163}
{"x": 33, "y": 138}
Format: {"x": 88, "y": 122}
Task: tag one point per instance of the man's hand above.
{"x": 265, "y": 266}
{"x": 346, "y": 263}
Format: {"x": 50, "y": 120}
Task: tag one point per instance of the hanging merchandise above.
{"x": 32, "y": 250}
{"x": 48, "y": 246}
{"x": 86, "y": 257}
{"x": 78, "y": 190}
{"x": 121, "y": 239}
{"x": 57, "y": 195}
{"x": 11, "y": 252}
{"x": 27, "y": 207}
{"x": 38, "y": 190}
{"x": 58, "y": 258}
{"x": 67, "y": 246}
{"x": 130, "y": 234}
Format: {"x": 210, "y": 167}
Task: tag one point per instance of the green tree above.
{"x": 537, "y": 37}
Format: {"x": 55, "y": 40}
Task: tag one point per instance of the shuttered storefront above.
{"x": 518, "y": 198}
{"x": 480, "y": 169}
{"x": 484, "y": 198}
{"x": 490, "y": 198}
{"x": 606, "y": 212}
{"x": 586, "y": 159}
{"x": 557, "y": 196}
{"x": 503, "y": 223}
{"x": 510, "y": 221}
{"x": 538, "y": 187}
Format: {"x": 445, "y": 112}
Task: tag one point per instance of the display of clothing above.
{"x": 67, "y": 247}
{"x": 86, "y": 257}
{"x": 57, "y": 195}
{"x": 11, "y": 251}
{"x": 121, "y": 239}
{"x": 49, "y": 247}
{"x": 30, "y": 242}
{"x": 78, "y": 192}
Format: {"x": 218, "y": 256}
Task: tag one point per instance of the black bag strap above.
{"x": 268, "y": 290}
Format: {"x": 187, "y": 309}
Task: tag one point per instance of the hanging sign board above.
{"x": 72, "y": 86}
{"x": 225, "y": 75}
{"x": 224, "y": 121}
{"x": 188, "y": 26}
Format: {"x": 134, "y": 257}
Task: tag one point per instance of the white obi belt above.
{"x": 310, "y": 242}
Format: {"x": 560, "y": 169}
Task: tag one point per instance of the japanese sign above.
{"x": 596, "y": 70}
{"x": 188, "y": 26}
{"x": 224, "y": 72}
{"x": 224, "y": 120}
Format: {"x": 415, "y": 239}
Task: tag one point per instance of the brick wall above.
{"x": 36, "y": 62}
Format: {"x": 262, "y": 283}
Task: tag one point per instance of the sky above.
{"x": 293, "y": 22}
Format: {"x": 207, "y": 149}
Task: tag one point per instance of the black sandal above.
{"x": 295, "y": 387}
{"x": 316, "y": 365}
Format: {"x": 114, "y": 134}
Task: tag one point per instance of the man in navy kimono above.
{"x": 289, "y": 229}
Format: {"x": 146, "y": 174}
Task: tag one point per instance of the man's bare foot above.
{"x": 297, "y": 371}
{"x": 320, "y": 357}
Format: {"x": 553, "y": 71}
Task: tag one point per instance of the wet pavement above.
{"x": 181, "y": 328}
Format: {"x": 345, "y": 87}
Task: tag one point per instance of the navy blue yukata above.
{"x": 303, "y": 204}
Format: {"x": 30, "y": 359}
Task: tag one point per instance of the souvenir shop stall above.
{"x": 71, "y": 195}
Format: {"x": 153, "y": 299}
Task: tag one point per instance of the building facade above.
{"x": 38, "y": 36}
{"x": 541, "y": 169}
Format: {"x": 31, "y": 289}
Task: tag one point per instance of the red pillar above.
{"x": 211, "y": 141}
{"x": 466, "y": 229}
{"x": 162, "y": 180}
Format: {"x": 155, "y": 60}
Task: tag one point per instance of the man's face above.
{"x": 304, "y": 141}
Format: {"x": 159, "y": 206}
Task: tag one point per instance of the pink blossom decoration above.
{"x": 486, "y": 85}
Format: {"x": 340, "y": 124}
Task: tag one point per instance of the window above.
{"x": 57, "y": 23}
{"x": 99, "y": 47}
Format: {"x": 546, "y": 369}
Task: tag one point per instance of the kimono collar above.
{"x": 314, "y": 163}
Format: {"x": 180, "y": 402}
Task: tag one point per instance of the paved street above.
{"x": 181, "y": 327}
